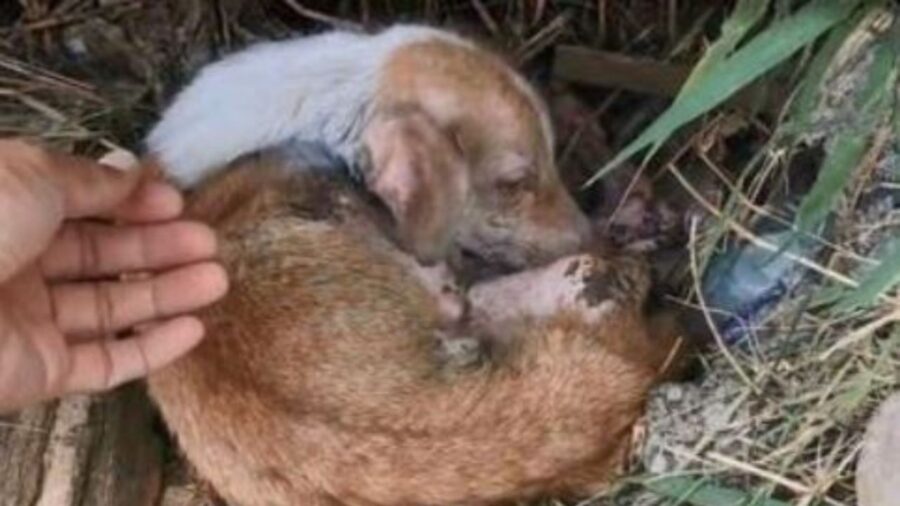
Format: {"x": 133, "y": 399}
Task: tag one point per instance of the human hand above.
{"x": 60, "y": 293}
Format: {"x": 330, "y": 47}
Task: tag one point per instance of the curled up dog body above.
{"x": 341, "y": 369}
{"x": 331, "y": 375}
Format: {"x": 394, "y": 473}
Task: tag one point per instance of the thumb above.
{"x": 39, "y": 189}
{"x": 90, "y": 188}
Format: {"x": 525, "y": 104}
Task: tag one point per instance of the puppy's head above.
{"x": 461, "y": 151}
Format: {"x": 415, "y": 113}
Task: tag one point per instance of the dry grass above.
{"x": 776, "y": 422}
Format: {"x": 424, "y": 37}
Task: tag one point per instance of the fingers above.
{"x": 84, "y": 250}
{"x": 104, "y": 364}
{"x": 41, "y": 188}
{"x": 84, "y": 309}
{"x": 152, "y": 201}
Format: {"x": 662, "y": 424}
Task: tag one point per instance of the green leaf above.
{"x": 882, "y": 77}
{"x": 848, "y": 147}
{"x": 810, "y": 88}
{"x": 876, "y": 102}
{"x": 852, "y": 394}
{"x": 881, "y": 279}
{"x": 746, "y": 15}
{"x": 771, "y": 47}
{"x": 844, "y": 156}
{"x": 699, "y": 492}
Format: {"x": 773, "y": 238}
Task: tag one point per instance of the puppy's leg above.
{"x": 607, "y": 292}
{"x": 587, "y": 285}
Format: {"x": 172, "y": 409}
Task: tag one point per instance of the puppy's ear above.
{"x": 417, "y": 170}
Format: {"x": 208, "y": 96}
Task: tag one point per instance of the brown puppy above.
{"x": 448, "y": 136}
{"x": 322, "y": 381}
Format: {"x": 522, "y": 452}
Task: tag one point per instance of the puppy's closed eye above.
{"x": 454, "y": 133}
{"x": 515, "y": 175}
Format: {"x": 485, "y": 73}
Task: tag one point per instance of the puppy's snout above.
{"x": 582, "y": 230}
{"x": 571, "y": 231}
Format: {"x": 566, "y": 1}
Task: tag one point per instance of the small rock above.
{"x": 659, "y": 464}
{"x": 675, "y": 393}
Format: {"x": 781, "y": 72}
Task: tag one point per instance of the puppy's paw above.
{"x": 625, "y": 280}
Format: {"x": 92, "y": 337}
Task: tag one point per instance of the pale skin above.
{"x": 69, "y": 227}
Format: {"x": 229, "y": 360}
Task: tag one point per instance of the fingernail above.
{"x": 120, "y": 159}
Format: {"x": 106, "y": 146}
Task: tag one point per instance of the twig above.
{"x": 48, "y": 77}
{"x": 366, "y": 11}
{"x": 746, "y": 234}
{"x": 638, "y": 174}
{"x": 321, "y": 17}
{"x": 486, "y": 17}
{"x": 862, "y": 332}
{"x": 66, "y": 6}
{"x": 602, "y": 21}
{"x": 670, "y": 358}
{"x": 592, "y": 118}
{"x": 752, "y": 206}
{"x": 56, "y": 116}
{"x": 673, "y": 19}
{"x": 543, "y": 38}
{"x": 539, "y": 8}
{"x": 792, "y": 485}
{"x": 119, "y": 8}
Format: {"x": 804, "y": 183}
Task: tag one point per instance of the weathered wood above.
{"x": 23, "y": 441}
{"x": 592, "y": 67}
{"x": 126, "y": 455}
{"x": 97, "y": 451}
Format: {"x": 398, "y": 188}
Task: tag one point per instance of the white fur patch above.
{"x": 313, "y": 89}
{"x": 540, "y": 293}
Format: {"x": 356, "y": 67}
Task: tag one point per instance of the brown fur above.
{"x": 514, "y": 211}
{"x": 319, "y": 382}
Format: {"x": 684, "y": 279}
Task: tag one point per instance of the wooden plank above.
{"x": 592, "y": 67}
{"x": 98, "y": 451}
{"x": 126, "y": 454}
{"x": 23, "y": 442}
